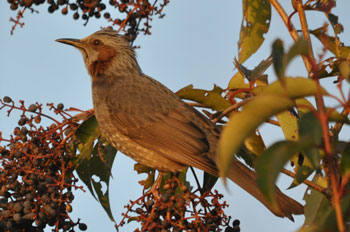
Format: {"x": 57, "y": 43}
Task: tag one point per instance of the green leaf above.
{"x": 281, "y": 60}
{"x": 212, "y": 99}
{"x": 289, "y": 124}
{"x": 331, "y": 44}
{"x": 345, "y": 161}
{"x": 149, "y": 181}
{"x": 302, "y": 173}
{"x": 294, "y": 88}
{"x": 87, "y": 130}
{"x": 300, "y": 47}
{"x": 304, "y": 170}
{"x": 255, "y": 23}
{"x": 243, "y": 124}
{"x": 310, "y": 127}
{"x": 326, "y": 217}
{"x": 319, "y": 212}
{"x": 95, "y": 162}
{"x": 278, "y": 58}
{"x": 271, "y": 100}
{"x": 87, "y": 133}
{"x": 96, "y": 170}
{"x": 316, "y": 202}
{"x": 272, "y": 161}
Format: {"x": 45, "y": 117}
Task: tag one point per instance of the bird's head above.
{"x": 105, "y": 53}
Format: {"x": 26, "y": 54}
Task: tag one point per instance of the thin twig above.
{"x": 230, "y": 109}
{"x": 317, "y": 187}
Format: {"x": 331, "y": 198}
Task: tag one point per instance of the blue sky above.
{"x": 194, "y": 44}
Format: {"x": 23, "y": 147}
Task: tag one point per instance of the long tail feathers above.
{"x": 245, "y": 178}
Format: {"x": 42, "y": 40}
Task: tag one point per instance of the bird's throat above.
{"x": 98, "y": 68}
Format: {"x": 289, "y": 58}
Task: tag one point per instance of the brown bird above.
{"x": 147, "y": 122}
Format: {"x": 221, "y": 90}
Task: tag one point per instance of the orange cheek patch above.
{"x": 105, "y": 57}
{"x": 105, "y": 53}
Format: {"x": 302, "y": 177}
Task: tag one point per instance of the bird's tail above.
{"x": 245, "y": 178}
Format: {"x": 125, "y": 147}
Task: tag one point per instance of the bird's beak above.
{"x": 73, "y": 42}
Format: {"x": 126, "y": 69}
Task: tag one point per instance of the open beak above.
{"x": 73, "y": 42}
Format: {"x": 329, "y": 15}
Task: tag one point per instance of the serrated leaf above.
{"x": 212, "y": 99}
{"x": 149, "y": 181}
{"x": 272, "y": 161}
{"x": 330, "y": 43}
{"x": 87, "y": 133}
{"x": 243, "y": 124}
{"x": 255, "y": 23}
{"x": 87, "y": 130}
{"x": 99, "y": 167}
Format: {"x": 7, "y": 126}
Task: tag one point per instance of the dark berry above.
{"x": 76, "y": 15}
{"x": 73, "y": 6}
{"x": 7, "y": 99}
{"x": 236, "y": 222}
{"x": 51, "y": 9}
{"x": 106, "y": 15}
{"x": 22, "y": 121}
{"x": 82, "y": 226}
{"x": 14, "y": 6}
{"x": 24, "y": 130}
{"x": 32, "y": 107}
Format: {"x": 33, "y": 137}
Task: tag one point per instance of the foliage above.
{"x": 36, "y": 171}
{"x": 318, "y": 157}
{"x": 129, "y": 16}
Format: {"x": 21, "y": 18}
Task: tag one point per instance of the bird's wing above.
{"x": 169, "y": 127}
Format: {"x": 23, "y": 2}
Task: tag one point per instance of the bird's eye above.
{"x": 96, "y": 42}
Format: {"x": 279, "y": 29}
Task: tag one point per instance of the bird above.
{"x": 146, "y": 121}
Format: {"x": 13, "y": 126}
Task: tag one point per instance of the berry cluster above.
{"x": 130, "y": 12}
{"x": 173, "y": 207}
{"x": 36, "y": 176}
